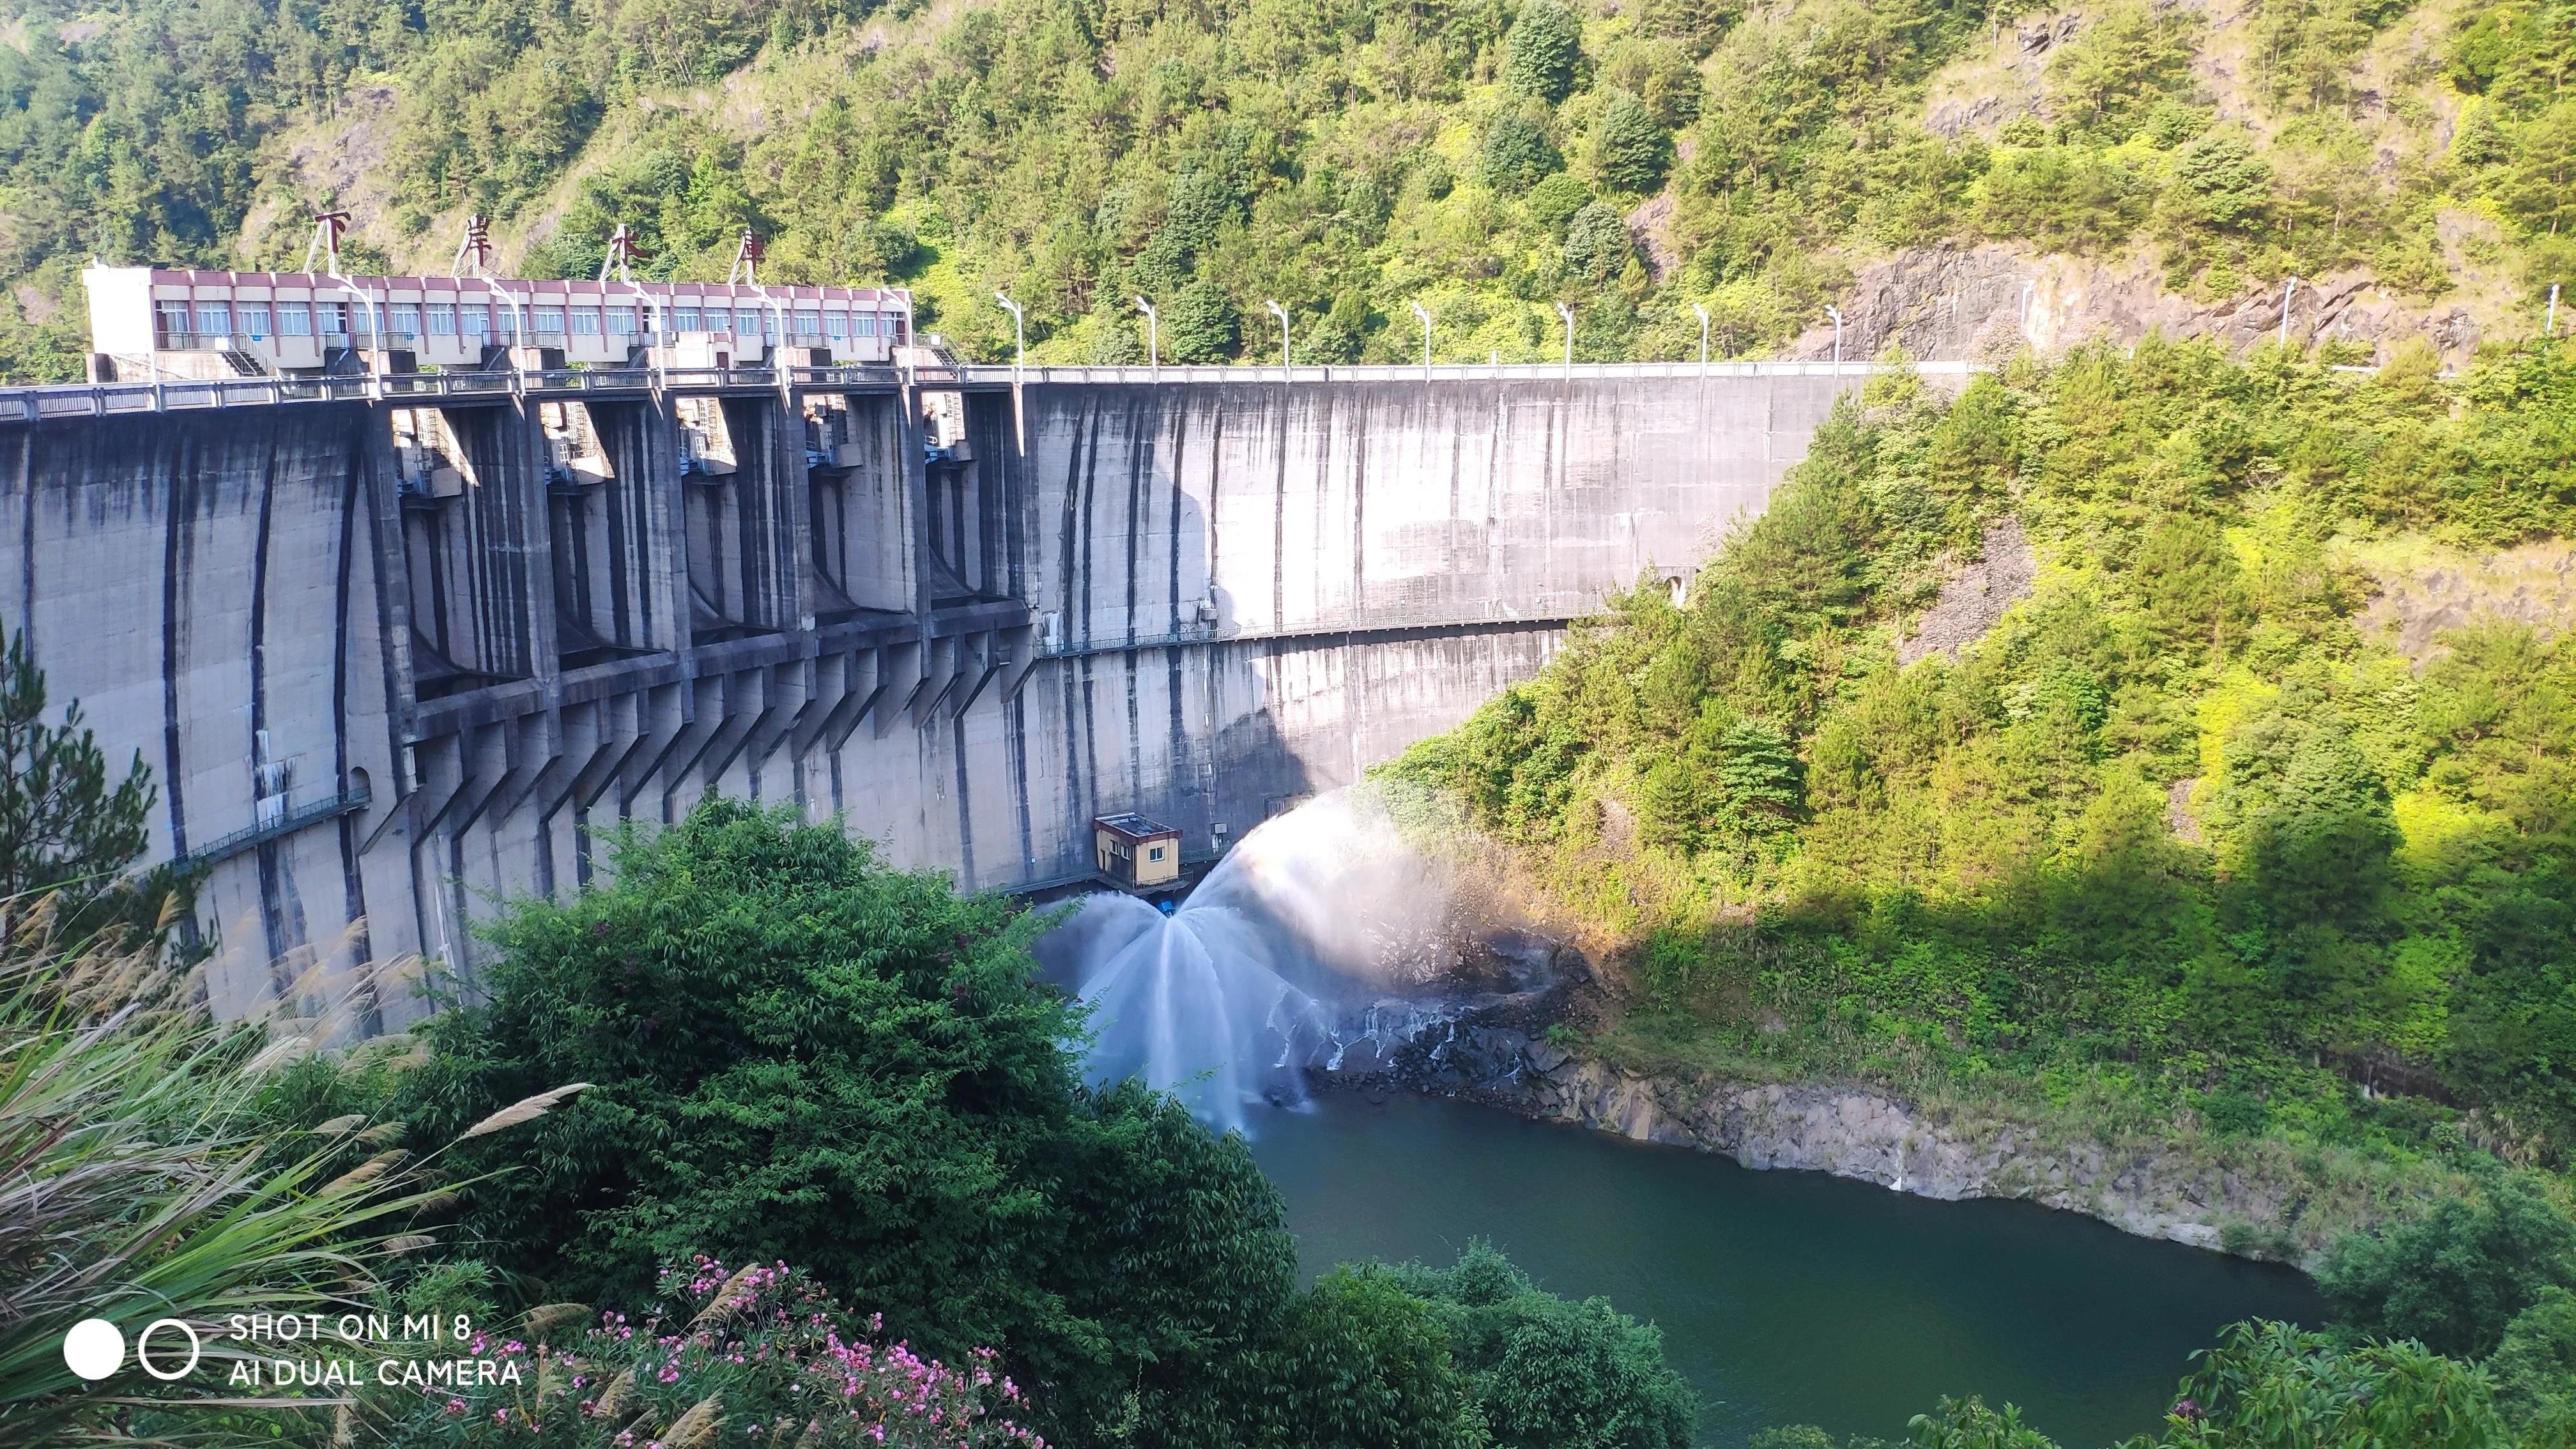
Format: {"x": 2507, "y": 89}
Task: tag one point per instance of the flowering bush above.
{"x": 761, "y": 1356}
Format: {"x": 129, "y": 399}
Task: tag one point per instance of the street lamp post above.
{"x": 1567, "y": 313}
{"x": 1019, "y": 335}
{"x": 1153, "y": 339}
{"x": 518, "y": 332}
{"x": 1282, "y": 314}
{"x": 375, "y": 332}
{"x": 1702, "y": 313}
{"x": 1019, "y": 366}
{"x": 1424, "y": 314}
{"x": 1837, "y": 314}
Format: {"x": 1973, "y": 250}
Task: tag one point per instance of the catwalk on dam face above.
{"x": 391, "y": 660}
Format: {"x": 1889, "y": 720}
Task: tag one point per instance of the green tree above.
{"x": 2273, "y": 1386}
{"x": 1597, "y": 244}
{"x": 1201, "y": 324}
{"x": 1757, "y": 777}
{"x": 1544, "y": 48}
{"x": 2538, "y": 187}
{"x": 1550, "y": 1373}
{"x": 1362, "y": 1363}
{"x": 800, "y": 1055}
{"x": 2535, "y": 1362}
{"x": 63, "y": 826}
{"x": 2223, "y": 182}
{"x": 2322, "y": 849}
{"x": 2124, "y": 59}
{"x": 1630, "y": 148}
{"x": 2456, "y": 1277}
{"x": 1517, "y": 151}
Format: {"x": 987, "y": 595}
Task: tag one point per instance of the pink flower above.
{"x": 456, "y": 1406}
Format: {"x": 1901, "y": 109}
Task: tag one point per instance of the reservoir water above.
{"x": 1784, "y": 1297}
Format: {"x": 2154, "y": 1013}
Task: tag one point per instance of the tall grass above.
{"x": 139, "y": 1181}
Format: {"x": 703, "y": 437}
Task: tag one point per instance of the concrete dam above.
{"x": 397, "y": 647}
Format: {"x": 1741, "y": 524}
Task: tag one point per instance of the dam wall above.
{"x": 393, "y": 658}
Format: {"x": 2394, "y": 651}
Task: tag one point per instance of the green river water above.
{"x": 1784, "y": 1297}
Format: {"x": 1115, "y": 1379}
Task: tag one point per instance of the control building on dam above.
{"x": 396, "y": 642}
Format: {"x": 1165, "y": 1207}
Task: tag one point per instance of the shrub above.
{"x": 762, "y": 1356}
{"x": 2272, "y": 1386}
{"x": 1553, "y": 202}
{"x": 2458, "y": 1276}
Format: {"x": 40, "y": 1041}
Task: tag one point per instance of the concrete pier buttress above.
{"x": 390, "y": 662}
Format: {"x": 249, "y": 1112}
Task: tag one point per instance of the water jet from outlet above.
{"x": 1268, "y": 968}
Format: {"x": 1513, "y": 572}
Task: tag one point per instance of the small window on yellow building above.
{"x": 1155, "y": 854}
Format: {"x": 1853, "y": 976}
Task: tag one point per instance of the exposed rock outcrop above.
{"x": 1983, "y": 303}
{"x": 1505, "y": 1057}
{"x": 1974, "y": 597}
{"x": 2533, "y": 583}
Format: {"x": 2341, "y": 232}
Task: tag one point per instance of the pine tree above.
{"x": 1630, "y": 148}
{"x": 1546, "y": 44}
{"x": 63, "y": 827}
{"x": 1201, "y": 324}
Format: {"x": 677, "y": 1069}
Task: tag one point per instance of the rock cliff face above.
{"x": 1983, "y": 303}
{"x": 1505, "y": 1059}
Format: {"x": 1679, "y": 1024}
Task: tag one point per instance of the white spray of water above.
{"x": 1268, "y": 968}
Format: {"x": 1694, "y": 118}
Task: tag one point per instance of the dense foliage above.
{"x": 1549, "y": 1373}
{"x": 799, "y": 1055}
{"x": 2178, "y": 829}
{"x": 1343, "y": 158}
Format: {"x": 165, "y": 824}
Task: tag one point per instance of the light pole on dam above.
{"x": 392, "y": 658}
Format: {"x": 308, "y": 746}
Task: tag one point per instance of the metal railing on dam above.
{"x": 397, "y": 647}
{"x": 77, "y": 400}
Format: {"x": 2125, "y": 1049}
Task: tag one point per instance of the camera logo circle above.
{"x": 94, "y": 1349}
{"x": 143, "y": 1340}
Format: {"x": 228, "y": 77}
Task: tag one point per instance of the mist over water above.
{"x": 1313, "y": 933}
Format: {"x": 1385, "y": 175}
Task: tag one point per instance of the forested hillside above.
{"x": 2195, "y": 835}
{"x": 1488, "y": 158}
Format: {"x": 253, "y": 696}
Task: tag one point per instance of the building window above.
{"x": 214, "y": 319}
{"x": 332, "y": 317}
{"x": 836, "y": 325}
{"x": 550, "y": 319}
{"x": 585, "y": 321}
{"x": 253, "y": 319}
{"x": 174, "y": 321}
{"x": 406, "y": 319}
{"x": 809, "y": 324}
{"x": 867, "y": 324}
{"x": 1154, "y": 854}
{"x": 746, "y": 321}
{"x": 294, "y": 319}
{"x": 442, "y": 319}
{"x": 621, "y": 321}
{"x": 685, "y": 319}
{"x": 474, "y": 319}
{"x": 770, "y": 324}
